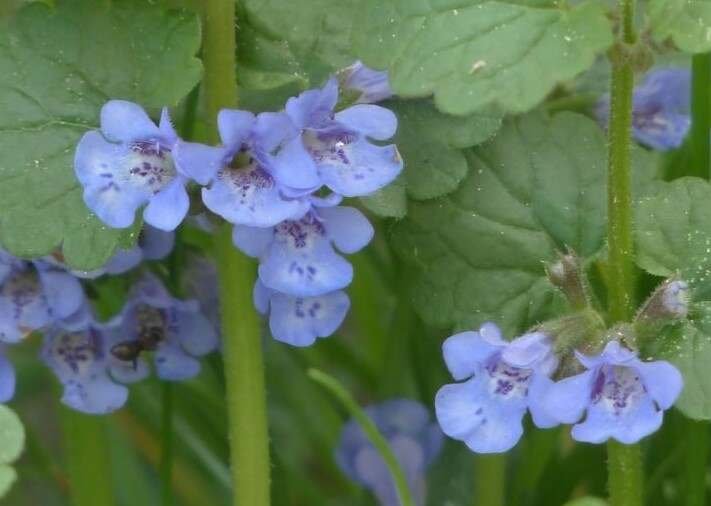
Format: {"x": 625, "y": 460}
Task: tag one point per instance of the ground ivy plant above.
{"x": 396, "y": 252}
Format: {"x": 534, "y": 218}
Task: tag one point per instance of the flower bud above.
{"x": 567, "y": 275}
{"x": 670, "y": 301}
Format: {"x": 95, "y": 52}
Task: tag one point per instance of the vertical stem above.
{"x": 624, "y": 461}
{"x": 166, "y": 458}
{"x": 88, "y": 459}
{"x": 489, "y": 480}
{"x": 697, "y": 445}
{"x": 700, "y": 115}
{"x": 241, "y": 329}
{"x": 697, "y": 432}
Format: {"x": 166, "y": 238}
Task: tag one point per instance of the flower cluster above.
{"x": 617, "y": 396}
{"x": 277, "y": 177}
{"x": 414, "y": 439}
{"x": 661, "y": 115}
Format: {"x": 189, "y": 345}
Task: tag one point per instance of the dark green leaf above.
{"x": 472, "y": 54}
{"x": 58, "y": 66}
{"x": 686, "y": 22}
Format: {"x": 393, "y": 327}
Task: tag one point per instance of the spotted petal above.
{"x": 173, "y": 363}
{"x": 299, "y": 321}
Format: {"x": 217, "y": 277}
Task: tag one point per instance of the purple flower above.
{"x": 334, "y": 149}
{"x": 413, "y": 438}
{"x": 299, "y": 321}
{"x": 79, "y": 355}
{"x": 660, "y": 117}
{"x": 297, "y": 257}
{"x": 34, "y": 295}
{"x": 175, "y": 330}
{"x": 200, "y": 281}
{"x": 7, "y": 376}
{"x": 624, "y": 397}
{"x": 373, "y": 85}
{"x": 244, "y": 187}
{"x": 486, "y": 411}
{"x": 129, "y": 163}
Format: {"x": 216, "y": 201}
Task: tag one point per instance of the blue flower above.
{"x": 7, "y": 376}
{"x": 79, "y": 355}
{"x": 624, "y": 397}
{"x": 334, "y": 149}
{"x": 373, "y": 85}
{"x": 486, "y": 411}
{"x": 175, "y": 330}
{"x": 200, "y": 281}
{"x": 660, "y": 117}
{"x": 34, "y": 295}
{"x": 297, "y": 257}
{"x": 299, "y": 321}
{"x": 245, "y": 188}
{"x": 129, "y": 163}
{"x": 413, "y": 438}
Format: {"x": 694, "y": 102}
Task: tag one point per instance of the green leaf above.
{"x": 58, "y": 66}
{"x": 474, "y": 53}
{"x": 537, "y": 187}
{"x": 431, "y": 145}
{"x": 587, "y": 501}
{"x": 8, "y": 476}
{"x": 12, "y": 435}
{"x": 686, "y": 22}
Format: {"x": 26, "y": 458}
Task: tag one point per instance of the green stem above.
{"x": 697, "y": 447}
{"x": 624, "y": 462}
{"x": 241, "y": 328}
{"x": 370, "y": 430}
{"x": 490, "y": 480}
{"x": 88, "y": 459}
{"x": 625, "y": 474}
{"x": 700, "y": 115}
{"x": 166, "y": 458}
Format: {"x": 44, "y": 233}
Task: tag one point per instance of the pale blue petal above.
{"x": 294, "y": 167}
{"x": 167, "y": 130}
{"x": 371, "y": 120}
{"x": 299, "y": 321}
{"x": 123, "y": 121}
{"x": 124, "y": 261}
{"x": 63, "y": 292}
{"x": 347, "y": 227}
{"x": 374, "y": 85}
{"x": 528, "y": 350}
{"x": 95, "y": 396}
{"x": 7, "y": 379}
{"x": 234, "y": 127}
{"x": 313, "y": 107}
{"x": 663, "y": 381}
{"x": 167, "y": 209}
{"x": 251, "y": 197}
{"x": 195, "y": 332}
{"x": 567, "y": 399}
{"x": 466, "y": 352}
{"x": 198, "y": 161}
{"x": 272, "y": 129}
{"x": 601, "y": 425}
{"x": 355, "y": 167}
{"x": 156, "y": 244}
{"x": 537, "y": 391}
{"x": 261, "y": 295}
{"x": 252, "y": 241}
{"x": 173, "y": 364}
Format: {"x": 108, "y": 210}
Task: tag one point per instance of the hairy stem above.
{"x": 700, "y": 115}
{"x": 241, "y": 329}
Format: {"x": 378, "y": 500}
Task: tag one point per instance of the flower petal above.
{"x": 252, "y": 241}
{"x": 198, "y": 161}
{"x": 173, "y": 364}
{"x": 464, "y": 353}
{"x": 299, "y": 321}
{"x": 540, "y": 383}
{"x": 234, "y": 126}
{"x": 371, "y": 120}
{"x": 123, "y": 121}
{"x": 566, "y": 400}
{"x": 293, "y": 166}
{"x": 313, "y": 107}
{"x": 272, "y": 129}
{"x": 63, "y": 292}
{"x": 663, "y": 381}
{"x": 601, "y": 425}
{"x": 167, "y": 209}
{"x": 347, "y": 227}
{"x": 7, "y": 379}
{"x": 195, "y": 333}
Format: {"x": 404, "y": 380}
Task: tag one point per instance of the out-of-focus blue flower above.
{"x": 244, "y": 188}
{"x": 334, "y": 149}
{"x": 486, "y": 411}
{"x": 200, "y": 282}
{"x": 34, "y": 295}
{"x": 79, "y": 355}
{"x": 7, "y": 376}
{"x": 129, "y": 163}
{"x": 661, "y": 111}
{"x": 624, "y": 397}
{"x": 175, "y": 331}
{"x": 299, "y": 321}
{"x": 297, "y": 257}
{"x": 373, "y": 85}
{"x": 414, "y": 439}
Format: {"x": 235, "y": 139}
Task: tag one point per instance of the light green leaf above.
{"x": 686, "y": 22}
{"x": 473, "y": 54}
{"x": 390, "y": 202}
{"x": 587, "y": 501}
{"x": 12, "y": 442}
{"x": 537, "y": 187}
{"x": 58, "y": 66}
{"x": 8, "y": 476}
